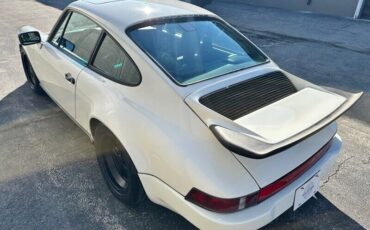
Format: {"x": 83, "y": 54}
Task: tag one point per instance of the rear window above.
{"x": 194, "y": 50}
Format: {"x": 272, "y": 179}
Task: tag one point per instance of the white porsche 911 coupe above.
{"x": 183, "y": 109}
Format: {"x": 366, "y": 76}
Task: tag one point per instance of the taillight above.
{"x": 278, "y": 185}
{"x": 235, "y": 204}
{"x": 221, "y": 205}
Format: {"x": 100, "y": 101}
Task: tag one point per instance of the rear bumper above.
{"x": 250, "y": 218}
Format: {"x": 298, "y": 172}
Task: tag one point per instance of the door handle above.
{"x": 69, "y": 78}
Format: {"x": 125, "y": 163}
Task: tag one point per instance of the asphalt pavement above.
{"x": 49, "y": 178}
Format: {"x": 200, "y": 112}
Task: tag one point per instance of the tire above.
{"x": 32, "y": 79}
{"x": 117, "y": 167}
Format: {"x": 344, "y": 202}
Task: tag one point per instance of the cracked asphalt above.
{"x": 49, "y": 178}
{"x": 336, "y": 171}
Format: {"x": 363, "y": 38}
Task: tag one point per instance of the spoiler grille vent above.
{"x": 248, "y": 96}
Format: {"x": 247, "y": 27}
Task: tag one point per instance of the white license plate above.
{"x": 306, "y": 191}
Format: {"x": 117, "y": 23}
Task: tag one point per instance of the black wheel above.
{"x": 32, "y": 79}
{"x": 117, "y": 167}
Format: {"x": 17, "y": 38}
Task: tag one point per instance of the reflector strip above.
{"x": 278, "y": 185}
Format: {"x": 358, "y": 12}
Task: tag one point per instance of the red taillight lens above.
{"x": 278, "y": 185}
{"x": 219, "y": 204}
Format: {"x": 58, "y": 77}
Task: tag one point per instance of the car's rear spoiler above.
{"x": 248, "y": 146}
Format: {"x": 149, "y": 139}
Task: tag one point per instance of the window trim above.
{"x": 101, "y": 72}
{"x": 67, "y": 13}
{"x": 188, "y": 18}
{"x": 57, "y": 25}
{"x": 65, "y": 17}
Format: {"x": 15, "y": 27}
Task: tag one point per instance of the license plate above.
{"x": 306, "y": 191}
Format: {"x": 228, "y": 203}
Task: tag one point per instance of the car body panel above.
{"x": 142, "y": 120}
{"x": 166, "y": 130}
{"x": 250, "y": 218}
{"x": 159, "y": 137}
{"x": 52, "y": 75}
{"x": 280, "y": 164}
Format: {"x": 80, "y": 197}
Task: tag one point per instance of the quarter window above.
{"x": 113, "y": 62}
{"x": 80, "y": 37}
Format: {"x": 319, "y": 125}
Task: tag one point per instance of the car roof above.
{"x": 121, "y": 14}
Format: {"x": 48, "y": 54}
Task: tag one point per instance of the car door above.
{"x": 66, "y": 53}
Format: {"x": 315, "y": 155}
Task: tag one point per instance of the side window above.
{"x": 80, "y": 37}
{"x": 114, "y": 62}
{"x": 59, "y": 32}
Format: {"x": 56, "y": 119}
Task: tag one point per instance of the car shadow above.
{"x": 317, "y": 213}
{"x": 68, "y": 186}
{"x": 22, "y": 104}
{"x": 75, "y": 196}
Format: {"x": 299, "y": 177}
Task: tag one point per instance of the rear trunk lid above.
{"x": 270, "y": 119}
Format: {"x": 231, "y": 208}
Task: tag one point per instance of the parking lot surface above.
{"x": 49, "y": 178}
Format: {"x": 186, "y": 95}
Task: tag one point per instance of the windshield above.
{"x": 196, "y": 50}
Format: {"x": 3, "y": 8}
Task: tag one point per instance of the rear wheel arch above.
{"x": 135, "y": 193}
{"x": 95, "y": 123}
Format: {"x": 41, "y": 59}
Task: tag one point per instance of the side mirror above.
{"x": 29, "y": 38}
